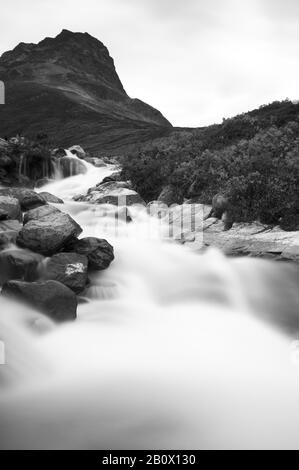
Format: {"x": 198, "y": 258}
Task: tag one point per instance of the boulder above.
{"x": 18, "y": 264}
{"x": 49, "y": 297}
{"x": 48, "y": 197}
{"x": 98, "y": 251}
{"x": 115, "y": 193}
{"x": 47, "y": 235}
{"x": 10, "y": 208}
{"x": 40, "y": 213}
{"x": 27, "y": 198}
{"x": 78, "y": 151}
{"x": 115, "y": 176}
{"x": 68, "y": 268}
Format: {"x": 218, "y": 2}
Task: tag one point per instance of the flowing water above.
{"x": 171, "y": 349}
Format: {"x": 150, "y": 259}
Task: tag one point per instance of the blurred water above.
{"x": 171, "y": 349}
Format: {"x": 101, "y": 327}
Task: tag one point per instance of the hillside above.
{"x": 68, "y": 88}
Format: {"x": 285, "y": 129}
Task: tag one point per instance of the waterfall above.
{"x": 171, "y": 349}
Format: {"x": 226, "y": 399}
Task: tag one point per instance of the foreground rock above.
{"x": 48, "y": 197}
{"x": 98, "y": 251}
{"x": 47, "y": 233}
{"x": 68, "y": 268}
{"x": 18, "y": 264}
{"x": 49, "y": 297}
{"x": 40, "y": 213}
{"x": 27, "y": 198}
{"x": 118, "y": 193}
{"x": 10, "y": 208}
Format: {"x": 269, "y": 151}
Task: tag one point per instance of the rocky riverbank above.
{"x": 243, "y": 239}
{"x": 43, "y": 263}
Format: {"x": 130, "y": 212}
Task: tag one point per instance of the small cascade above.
{"x": 68, "y": 166}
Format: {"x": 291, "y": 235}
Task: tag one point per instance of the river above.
{"x": 171, "y": 349}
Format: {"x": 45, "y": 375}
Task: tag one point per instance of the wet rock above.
{"x": 68, "y": 268}
{"x": 115, "y": 193}
{"x": 98, "y": 251}
{"x": 40, "y": 213}
{"x": 47, "y": 234}
{"x": 78, "y": 151}
{"x": 48, "y": 197}
{"x": 27, "y": 198}
{"x": 18, "y": 264}
{"x": 49, "y": 297}
{"x": 10, "y": 208}
{"x": 115, "y": 176}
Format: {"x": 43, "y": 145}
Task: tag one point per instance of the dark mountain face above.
{"x": 68, "y": 88}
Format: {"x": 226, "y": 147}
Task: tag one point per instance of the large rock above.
{"x": 48, "y": 235}
{"x": 78, "y": 151}
{"x": 68, "y": 268}
{"x": 115, "y": 176}
{"x": 98, "y": 251}
{"x": 10, "y": 208}
{"x": 18, "y": 264}
{"x": 40, "y": 213}
{"x": 49, "y": 297}
{"x": 27, "y": 198}
{"x": 48, "y": 197}
{"x": 171, "y": 195}
{"x": 115, "y": 193}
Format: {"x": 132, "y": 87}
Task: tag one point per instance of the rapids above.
{"x": 171, "y": 349}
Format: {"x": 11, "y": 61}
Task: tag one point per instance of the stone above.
{"x": 47, "y": 233}
{"x": 40, "y": 213}
{"x": 98, "y": 251}
{"x": 18, "y": 264}
{"x": 27, "y": 198}
{"x": 68, "y": 268}
{"x": 49, "y": 297}
{"x": 48, "y": 197}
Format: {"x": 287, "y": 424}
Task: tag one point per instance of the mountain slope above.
{"x": 68, "y": 88}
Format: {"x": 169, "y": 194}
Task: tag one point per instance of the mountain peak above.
{"x": 75, "y": 71}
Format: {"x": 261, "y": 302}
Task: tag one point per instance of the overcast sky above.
{"x": 196, "y": 61}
